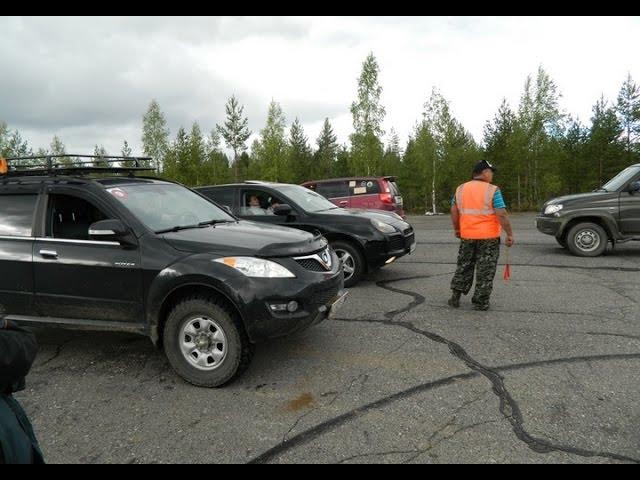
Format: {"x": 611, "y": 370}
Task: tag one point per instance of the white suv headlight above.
{"x": 256, "y": 267}
{"x": 551, "y": 209}
{"x": 383, "y": 227}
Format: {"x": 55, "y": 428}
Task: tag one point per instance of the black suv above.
{"x": 586, "y": 223}
{"x": 153, "y": 257}
{"x": 365, "y": 240}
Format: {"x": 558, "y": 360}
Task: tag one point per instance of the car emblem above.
{"x": 326, "y": 259}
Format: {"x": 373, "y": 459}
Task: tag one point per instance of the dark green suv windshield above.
{"x": 622, "y": 179}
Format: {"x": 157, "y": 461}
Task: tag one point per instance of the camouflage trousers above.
{"x": 479, "y": 257}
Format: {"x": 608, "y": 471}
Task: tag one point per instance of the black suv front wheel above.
{"x": 352, "y": 261}
{"x": 205, "y": 344}
{"x": 587, "y": 240}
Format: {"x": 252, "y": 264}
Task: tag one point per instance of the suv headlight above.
{"x": 383, "y": 227}
{"x": 256, "y": 267}
{"x": 551, "y": 209}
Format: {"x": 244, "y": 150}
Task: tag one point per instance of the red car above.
{"x": 368, "y": 193}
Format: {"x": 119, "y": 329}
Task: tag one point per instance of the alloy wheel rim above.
{"x": 348, "y": 263}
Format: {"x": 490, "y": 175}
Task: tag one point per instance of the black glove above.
{"x": 18, "y": 350}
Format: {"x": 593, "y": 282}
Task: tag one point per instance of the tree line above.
{"x": 541, "y": 151}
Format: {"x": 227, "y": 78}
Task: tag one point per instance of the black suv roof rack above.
{"x": 38, "y": 165}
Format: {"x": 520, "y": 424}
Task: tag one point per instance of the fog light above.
{"x": 278, "y": 307}
{"x": 391, "y": 260}
{"x": 290, "y": 307}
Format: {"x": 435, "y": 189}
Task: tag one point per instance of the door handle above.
{"x": 49, "y": 254}
{"x": 344, "y": 203}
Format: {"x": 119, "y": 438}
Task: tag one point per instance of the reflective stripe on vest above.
{"x": 488, "y": 201}
{"x": 478, "y": 218}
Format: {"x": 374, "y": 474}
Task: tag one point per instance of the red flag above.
{"x": 507, "y": 268}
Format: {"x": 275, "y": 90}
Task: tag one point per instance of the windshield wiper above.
{"x": 213, "y": 222}
{"x": 177, "y": 228}
{"x": 601, "y": 190}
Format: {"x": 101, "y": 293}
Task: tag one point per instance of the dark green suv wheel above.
{"x": 587, "y": 240}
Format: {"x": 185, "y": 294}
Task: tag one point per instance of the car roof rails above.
{"x": 258, "y": 182}
{"x": 40, "y": 165}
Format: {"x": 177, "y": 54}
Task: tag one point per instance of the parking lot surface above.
{"x": 550, "y": 374}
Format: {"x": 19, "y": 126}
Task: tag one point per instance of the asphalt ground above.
{"x": 549, "y": 375}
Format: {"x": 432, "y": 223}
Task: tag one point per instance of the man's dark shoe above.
{"x": 454, "y": 301}
{"x": 482, "y": 307}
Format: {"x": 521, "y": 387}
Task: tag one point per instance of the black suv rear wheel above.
{"x": 587, "y": 240}
{"x": 205, "y": 344}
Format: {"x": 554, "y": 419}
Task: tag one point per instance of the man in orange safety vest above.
{"x": 479, "y": 214}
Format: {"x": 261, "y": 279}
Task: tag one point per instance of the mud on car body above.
{"x": 149, "y": 256}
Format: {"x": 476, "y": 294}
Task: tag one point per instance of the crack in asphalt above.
{"x": 509, "y": 408}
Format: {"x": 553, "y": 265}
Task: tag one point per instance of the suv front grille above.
{"x": 312, "y": 265}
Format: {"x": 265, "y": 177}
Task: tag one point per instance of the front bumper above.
{"x": 319, "y": 297}
{"x": 549, "y": 225}
{"x": 393, "y": 247}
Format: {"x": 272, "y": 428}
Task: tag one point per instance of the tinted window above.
{"x": 16, "y": 215}
{"x": 222, "y": 196}
{"x": 258, "y": 202}
{"x": 306, "y": 199}
{"x": 365, "y": 187}
{"x": 333, "y": 189}
{"x": 161, "y": 207}
{"x": 70, "y": 217}
{"x": 622, "y": 179}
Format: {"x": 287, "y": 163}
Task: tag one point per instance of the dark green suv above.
{"x": 586, "y": 223}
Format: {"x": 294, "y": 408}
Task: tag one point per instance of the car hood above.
{"x": 368, "y": 215}
{"x": 246, "y": 239}
{"x": 583, "y": 199}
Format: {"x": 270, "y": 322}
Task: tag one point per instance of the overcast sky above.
{"x": 90, "y": 80}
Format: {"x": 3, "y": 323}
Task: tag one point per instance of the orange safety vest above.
{"x": 478, "y": 219}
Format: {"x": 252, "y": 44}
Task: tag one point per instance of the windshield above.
{"x": 164, "y": 207}
{"x": 307, "y": 199}
{"x": 622, "y": 179}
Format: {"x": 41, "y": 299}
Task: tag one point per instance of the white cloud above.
{"x": 90, "y": 82}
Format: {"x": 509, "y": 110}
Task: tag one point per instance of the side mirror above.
{"x": 108, "y": 230}
{"x": 283, "y": 210}
{"x": 634, "y": 188}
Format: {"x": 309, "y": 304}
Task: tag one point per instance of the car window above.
{"x": 165, "y": 206}
{"x": 222, "y": 196}
{"x": 364, "y": 187}
{"x": 70, "y": 217}
{"x": 622, "y": 179}
{"x": 258, "y": 203}
{"x": 306, "y": 199}
{"x": 333, "y": 189}
{"x": 16, "y": 215}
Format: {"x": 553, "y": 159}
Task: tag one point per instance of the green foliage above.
{"x": 540, "y": 151}
{"x": 235, "y": 132}
{"x": 155, "y": 135}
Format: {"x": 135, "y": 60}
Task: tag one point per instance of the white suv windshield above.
{"x": 163, "y": 207}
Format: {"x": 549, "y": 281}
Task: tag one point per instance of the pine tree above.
{"x": 100, "y": 152}
{"x": 217, "y": 168}
{"x": 155, "y": 135}
{"x": 628, "y": 109}
{"x": 235, "y": 131}
{"x": 299, "y": 154}
{"x": 368, "y": 116}
{"x": 392, "y": 160}
{"x": 605, "y": 150}
{"x": 326, "y": 155}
